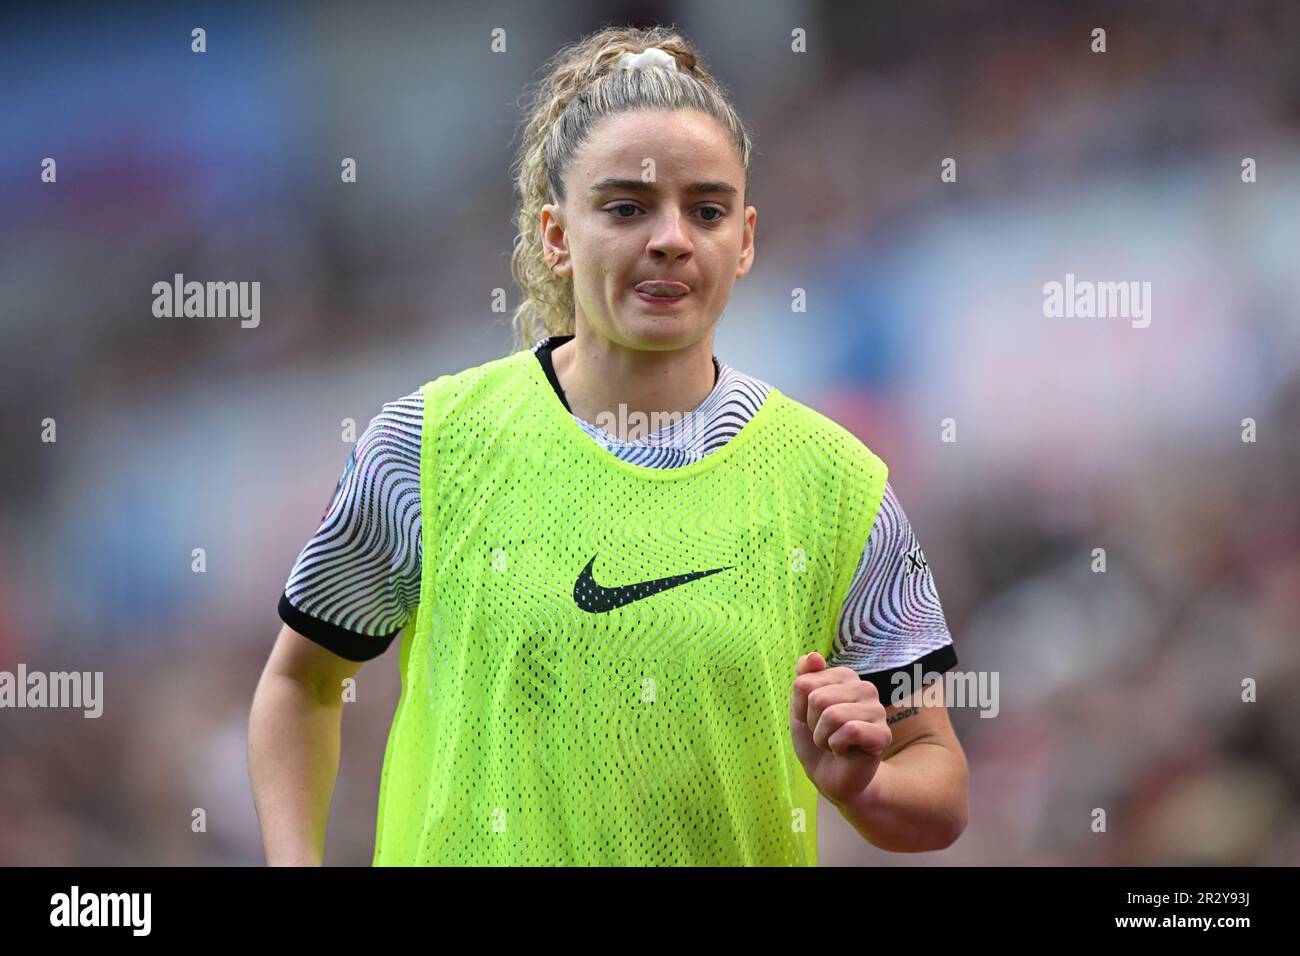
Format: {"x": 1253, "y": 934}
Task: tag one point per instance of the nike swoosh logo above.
{"x": 590, "y": 596}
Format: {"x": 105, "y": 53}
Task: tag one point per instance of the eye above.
{"x": 720, "y": 213}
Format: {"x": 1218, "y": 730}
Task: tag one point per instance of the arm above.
{"x": 914, "y": 798}
{"x": 293, "y": 746}
{"x": 917, "y": 800}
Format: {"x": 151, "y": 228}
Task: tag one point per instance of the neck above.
{"x": 632, "y": 392}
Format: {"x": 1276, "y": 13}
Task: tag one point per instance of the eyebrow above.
{"x": 635, "y": 185}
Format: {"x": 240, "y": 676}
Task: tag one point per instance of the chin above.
{"x": 661, "y": 332}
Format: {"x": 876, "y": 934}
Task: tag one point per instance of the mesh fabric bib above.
{"x": 600, "y": 666}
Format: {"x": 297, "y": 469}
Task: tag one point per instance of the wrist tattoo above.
{"x": 910, "y": 712}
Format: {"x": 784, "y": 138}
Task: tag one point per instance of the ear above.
{"x": 747, "y": 242}
{"x": 555, "y": 244}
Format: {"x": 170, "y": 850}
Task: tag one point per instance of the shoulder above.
{"x": 401, "y": 410}
{"x": 395, "y": 429}
{"x": 444, "y": 394}
{"x": 833, "y": 458}
{"x": 496, "y": 369}
{"x": 841, "y": 443}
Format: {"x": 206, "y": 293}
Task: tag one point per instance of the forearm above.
{"x": 916, "y": 801}
{"x": 293, "y": 759}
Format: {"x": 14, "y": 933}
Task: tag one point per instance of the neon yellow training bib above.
{"x": 600, "y": 667}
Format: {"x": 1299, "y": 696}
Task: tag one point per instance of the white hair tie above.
{"x": 651, "y": 56}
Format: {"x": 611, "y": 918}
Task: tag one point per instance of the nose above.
{"x": 670, "y": 238}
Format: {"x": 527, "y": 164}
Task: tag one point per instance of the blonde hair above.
{"x": 582, "y": 87}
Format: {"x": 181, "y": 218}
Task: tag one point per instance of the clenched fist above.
{"x": 838, "y": 726}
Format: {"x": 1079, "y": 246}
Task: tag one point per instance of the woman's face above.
{"x": 652, "y": 195}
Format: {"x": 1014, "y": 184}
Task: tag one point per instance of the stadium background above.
{"x": 1119, "y": 690}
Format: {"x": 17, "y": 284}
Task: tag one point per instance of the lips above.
{"x": 662, "y": 288}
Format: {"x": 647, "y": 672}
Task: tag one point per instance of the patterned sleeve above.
{"x": 356, "y": 583}
{"x": 892, "y": 619}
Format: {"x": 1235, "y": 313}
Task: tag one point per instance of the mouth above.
{"x": 661, "y": 292}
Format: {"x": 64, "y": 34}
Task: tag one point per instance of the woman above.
{"x": 623, "y": 643}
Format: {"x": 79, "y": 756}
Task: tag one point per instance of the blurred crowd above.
{"x": 1121, "y": 691}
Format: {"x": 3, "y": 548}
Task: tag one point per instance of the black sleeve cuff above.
{"x": 346, "y": 644}
{"x": 938, "y": 661}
